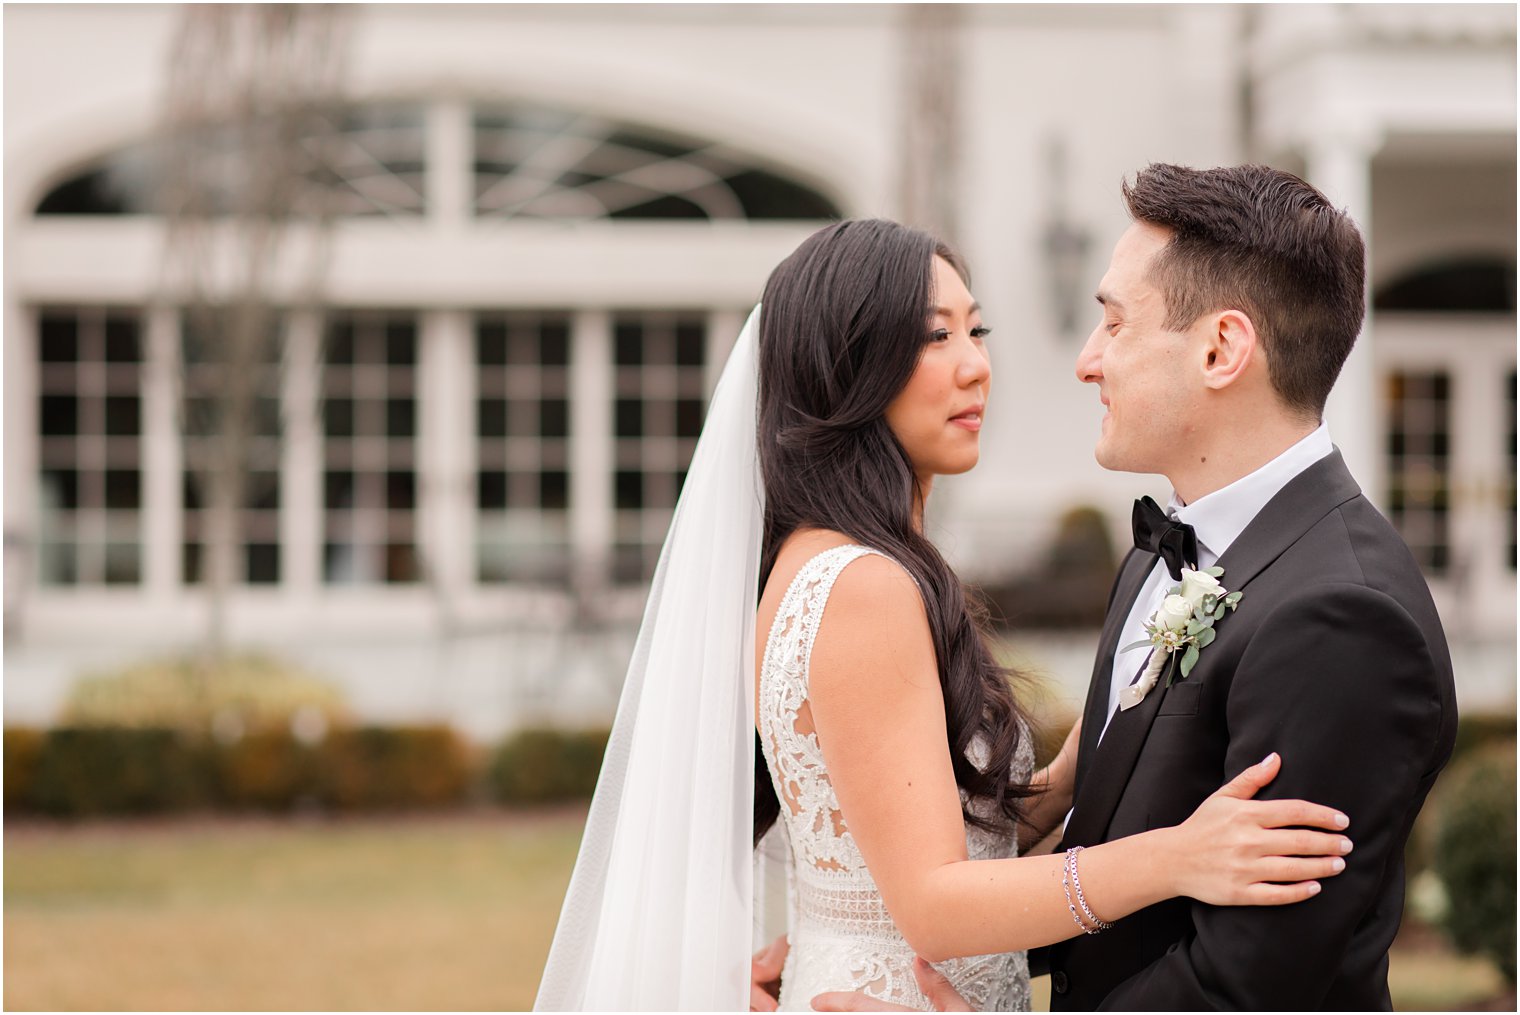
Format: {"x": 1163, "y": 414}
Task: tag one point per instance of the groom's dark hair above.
{"x": 843, "y": 324}
{"x": 1262, "y": 241}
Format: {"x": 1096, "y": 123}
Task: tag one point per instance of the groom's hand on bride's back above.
{"x": 765, "y": 975}
{"x": 930, "y": 980}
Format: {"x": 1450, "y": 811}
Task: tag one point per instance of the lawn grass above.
{"x": 433, "y": 913}
{"x": 428, "y": 913}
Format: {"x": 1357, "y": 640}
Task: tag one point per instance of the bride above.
{"x": 893, "y": 762}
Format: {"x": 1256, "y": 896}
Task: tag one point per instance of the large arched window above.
{"x": 580, "y": 407}
{"x": 538, "y": 163}
{"x": 1458, "y": 285}
{"x": 529, "y": 162}
{"x": 365, "y": 161}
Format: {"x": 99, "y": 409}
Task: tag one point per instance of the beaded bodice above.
{"x": 842, "y": 937}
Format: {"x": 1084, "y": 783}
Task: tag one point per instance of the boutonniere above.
{"x": 1184, "y": 624}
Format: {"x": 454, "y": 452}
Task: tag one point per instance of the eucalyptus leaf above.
{"x": 1214, "y": 572}
{"x": 1194, "y": 626}
{"x": 1189, "y": 660}
{"x": 1206, "y": 637}
{"x": 1219, "y": 610}
{"x": 1233, "y": 597}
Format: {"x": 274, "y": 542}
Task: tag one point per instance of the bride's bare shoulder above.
{"x": 875, "y": 615}
{"x": 874, "y": 628}
{"x": 871, "y": 582}
{"x": 795, "y": 551}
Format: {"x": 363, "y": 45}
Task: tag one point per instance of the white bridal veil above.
{"x": 658, "y": 913}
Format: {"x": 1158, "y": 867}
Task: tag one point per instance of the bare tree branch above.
{"x": 252, "y": 110}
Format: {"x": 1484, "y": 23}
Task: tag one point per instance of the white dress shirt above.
{"x": 1218, "y": 519}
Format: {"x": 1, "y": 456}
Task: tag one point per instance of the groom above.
{"x": 1229, "y": 307}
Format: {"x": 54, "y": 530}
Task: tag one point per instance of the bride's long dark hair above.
{"x": 843, "y": 323}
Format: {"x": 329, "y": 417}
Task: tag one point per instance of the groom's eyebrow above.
{"x": 1107, "y": 299}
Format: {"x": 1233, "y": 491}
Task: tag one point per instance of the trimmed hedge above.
{"x": 390, "y": 767}
{"x": 23, "y": 745}
{"x": 268, "y": 769}
{"x": 1475, "y": 854}
{"x": 85, "y": 771}
{"x": 544, "y": 765}
{"x": 90, "y": 771}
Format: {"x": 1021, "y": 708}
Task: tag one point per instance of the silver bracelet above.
{"x": 1071, "y": 863}
{"x": 1066, "y": 887}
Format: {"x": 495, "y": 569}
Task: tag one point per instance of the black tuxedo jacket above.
{"x": 1336, "y": 660}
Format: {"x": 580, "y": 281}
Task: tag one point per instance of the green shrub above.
{"x": 1475, "y": 853}
{"x": 23, "y": 745}
{"x": 89, "y": 771}
{"x": 379, "y": 767}
{"x": 1068, "y": 587}
{"x": 1479, "y": 729}
{"x": 544, "y": 765}
{"x": 1475, "y": 730}
{"x": 268, "y": 769}
{"x": 241, "y": 693}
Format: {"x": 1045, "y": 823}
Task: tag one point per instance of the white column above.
{"x": 162, "y": 455}
{"x": 449, "y": 171}
{"x": 21, "y": 460}
{"x": 301, "y": 518}
{"x": 446, "y": 451}
{"x": 1479, "y": 523}
{"x": 591, "y": 460}
{"x": 446, "y": 377}
{"x": 1340, "y": 164}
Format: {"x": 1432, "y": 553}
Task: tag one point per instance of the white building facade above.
{"x": 555, "y": 221}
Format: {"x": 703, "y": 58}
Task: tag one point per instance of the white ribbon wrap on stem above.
{"x": 1135, "y": 693}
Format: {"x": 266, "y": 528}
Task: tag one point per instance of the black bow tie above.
{"x": 1175, "y": 541}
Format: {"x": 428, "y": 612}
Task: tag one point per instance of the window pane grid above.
{"x": 89, "y": 415}
{"x": 257, "y": 556}
{"x": 658, "y": 390}
{"x": 522, "y": 427}
{"x": 369, "y": 425}
{"x": 1419, "y": 465}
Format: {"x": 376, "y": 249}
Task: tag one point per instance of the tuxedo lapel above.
{"x": 1109, "y": 772}
{"x": 1132, "y": 575}
{"x": 1308, "y": 497}
{"x": 1103, "y": 769}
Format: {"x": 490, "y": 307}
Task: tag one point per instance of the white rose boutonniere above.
{"x": 1174, "y": 614}
{"x": 1197, "y": 584}
{"x": 1183, "y": 623}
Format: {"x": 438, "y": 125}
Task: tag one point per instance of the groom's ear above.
{"x": 1232, "y": 346}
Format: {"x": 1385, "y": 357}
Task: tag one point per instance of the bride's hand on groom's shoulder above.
{"x": 765, "y": 975}
{"x": 930, "y": 980}
{"x": 1236, "y": 851}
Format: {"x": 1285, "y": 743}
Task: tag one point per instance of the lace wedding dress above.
{"x": 842, "y": 937}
